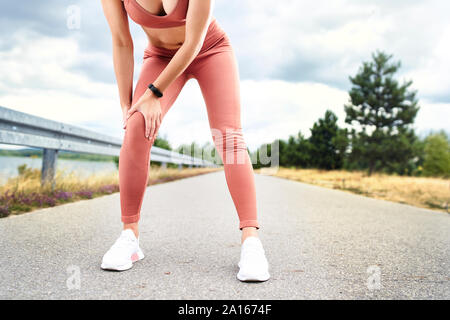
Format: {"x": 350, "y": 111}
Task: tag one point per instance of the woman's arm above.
{"x": 197, "y": 18}
{"x": 122, "y": 45}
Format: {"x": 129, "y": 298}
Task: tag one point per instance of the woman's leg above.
{"x": 218, "y": 77}
{"x": 134, "y": 159}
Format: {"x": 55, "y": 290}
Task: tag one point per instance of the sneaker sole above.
{"x": 259, "y": 278}
{"x": 139, "y": 255}
{"x": 253, "y": 278}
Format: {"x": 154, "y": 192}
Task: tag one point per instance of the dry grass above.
{"x": 29, "y": 181}
{"x": 430, "y": 193}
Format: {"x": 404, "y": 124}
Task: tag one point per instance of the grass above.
{"x": 430, "y": 193}
{"x": 24, "y": 193}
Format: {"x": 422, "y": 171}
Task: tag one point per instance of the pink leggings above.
{"x": 216, "y": 71}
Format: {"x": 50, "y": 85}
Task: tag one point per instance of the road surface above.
{"x": 320, "y": 243}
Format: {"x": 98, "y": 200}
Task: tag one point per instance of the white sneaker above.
{"x": 253, "y": 265}
{"x": 123, "y": 252}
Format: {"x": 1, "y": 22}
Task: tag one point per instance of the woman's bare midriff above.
{"x": 169, "y": 38}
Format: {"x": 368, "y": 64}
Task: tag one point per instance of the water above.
{"x": 8, "y": 166}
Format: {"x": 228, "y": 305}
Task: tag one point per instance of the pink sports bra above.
{"x": 176, "y": 18}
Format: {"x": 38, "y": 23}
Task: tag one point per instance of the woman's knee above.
{"x": 134, "y": 138}
{"x": 135, "y": 126}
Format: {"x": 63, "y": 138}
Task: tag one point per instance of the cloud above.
{"x": 46, "y": 63}
{"x": 45, "y": 17}
{"x": 432, "y": 117}
{"x": 37, "y": 78}
{"x": 326, "y": 41}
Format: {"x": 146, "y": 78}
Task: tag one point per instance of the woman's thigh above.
{"x": 218, "y": 78}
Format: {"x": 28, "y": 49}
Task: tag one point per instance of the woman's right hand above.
{"x": 150, "y": 107}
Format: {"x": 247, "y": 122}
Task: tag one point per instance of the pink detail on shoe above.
{"x": 134, "y": 257}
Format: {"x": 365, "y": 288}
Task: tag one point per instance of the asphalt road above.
{"x": 320, "y": 243}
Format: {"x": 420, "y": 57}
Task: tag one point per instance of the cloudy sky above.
{"x": 294, "y": 59}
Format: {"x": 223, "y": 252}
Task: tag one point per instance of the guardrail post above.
{"x": 163, "y": 165}
{"x": 49, "y": 167}
{"x": 180, "y": 166}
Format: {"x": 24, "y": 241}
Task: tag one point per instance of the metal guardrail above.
{"x": 19, "y": 128}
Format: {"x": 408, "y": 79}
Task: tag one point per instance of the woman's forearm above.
{"x": 179, "y": 62}
{"x": 123, "y": 68}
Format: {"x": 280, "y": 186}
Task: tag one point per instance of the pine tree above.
{"x": 384, "y": 110}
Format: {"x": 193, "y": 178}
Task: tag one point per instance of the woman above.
{"x": 185, "y": 41}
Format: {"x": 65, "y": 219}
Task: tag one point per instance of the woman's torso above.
{"x": 162, "y": 20}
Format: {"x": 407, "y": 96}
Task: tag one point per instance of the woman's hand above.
{"x": 150, "y": 107}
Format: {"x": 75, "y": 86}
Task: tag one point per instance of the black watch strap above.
{"x": 155, "y": 90}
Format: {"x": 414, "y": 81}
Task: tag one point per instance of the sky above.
{"x": 295, "y": 58}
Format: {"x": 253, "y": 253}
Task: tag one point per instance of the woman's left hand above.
{"x": 150, "y": 107}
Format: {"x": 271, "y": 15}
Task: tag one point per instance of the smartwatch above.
{"x": 155, "y": 90}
